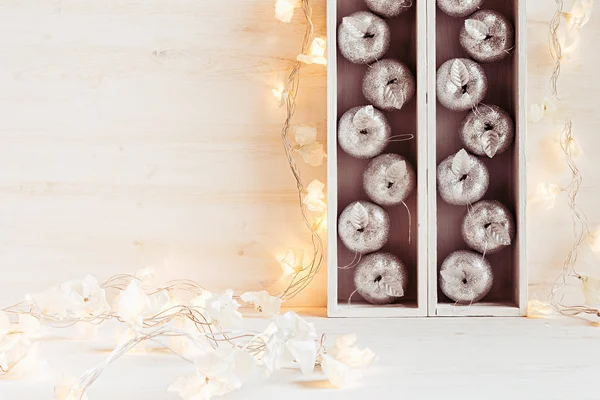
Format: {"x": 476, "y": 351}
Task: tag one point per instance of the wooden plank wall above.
{"x": 138, "y": 132}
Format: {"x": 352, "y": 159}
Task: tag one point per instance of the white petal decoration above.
{"x": 221, "y": 309}
{"x": 360, "y": 217}
{"x": 338, "y": 373}
{"x": 498, "y": 234}
{"x": 461, "y": 164}
{"x": 132, "y": 305}
{"x": 394, "y": 94}
{"x": 304, "y": 352}
{"x": 305, "y": 134}
{"x": 476, "y": 29}
{"x": 459, "y": 74}
{"x": 536, "y": 113}
{"x": 453, "y": 276}
{"x": 313, "y": 199}
{"x": 345, "y": 351}
{"x": 312, "y": 154}
{"x": 364, "y": 118}
{"x": 490, "y": 140}
{"x": 396, "y": 172}
{"x": 591, "y": 290}
{"x": 357, "y": 27}
{"x": 263, "y": 302}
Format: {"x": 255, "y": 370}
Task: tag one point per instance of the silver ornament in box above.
{"x": 466, "y": 277}
{"x": 381, "y": 278}
{"x": 364, "y": 227}
{"x": 459, "y": 8}
{"x": 389, "y": 179}
{"x": 389, "y": 8}
{"x": 389, "y": 84}
{"x": 363, "y": 132}
{"x": 462, "y": 179}
{"x": 487, "y": 36}
{"x": 461, "y": 84}
{"x": 488, "y": 130}
{"x": 488, "y": 227}
{"x": 363, "y": 37}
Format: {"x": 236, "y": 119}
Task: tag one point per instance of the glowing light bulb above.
{"x": 284, "y": 9}
{"x": 320, "y": 223}
{"x": 547, "y": 193}
{"x": 573, "y": 148}
{"x": 293, "y": 261}
{"x": 538, "y": 309}
{"x": 313, "y": 199}
{"x": 593, "y": 239}
{"x": 317, "y": 53}
{"x": 579, "y": 16}
{"x": 281, "y": 91}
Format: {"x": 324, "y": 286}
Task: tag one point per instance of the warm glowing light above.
{"x": 538, "y": 309}
{"x": 593, "y": 240}
{"x": 281, "y": 90}
{"x": 579, "y": 16}
{"x": 284, "y": 9}
{"x": 547, "y": 193}
{"x": 313, "y": 199}
{"x": 320, "y": 223}
{"x": 573, "y": 148}
{"x": 317, "y": 53}
{"x": 292, "y": 263}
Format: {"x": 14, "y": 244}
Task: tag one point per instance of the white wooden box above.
{"x": 507, "y": 89}
{"x": 409, "y": 45}
{"x": 424, "y": 38}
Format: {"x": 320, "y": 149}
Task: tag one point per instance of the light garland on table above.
{"x": 564, "y": 37}
{"x": 201, "y": 327}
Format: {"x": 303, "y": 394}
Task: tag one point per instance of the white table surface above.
{"x": 556, "y": 358}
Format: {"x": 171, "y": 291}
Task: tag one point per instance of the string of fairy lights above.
{"x": 564, "y": 38}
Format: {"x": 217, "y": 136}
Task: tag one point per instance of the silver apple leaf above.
{"x": 490, "y": 141}
{"x": 477, "y": 29}
{"x": 459, "y": 74}
{"x": 359, "y": 217}
{"x": 498, "y": 234}
{"x": 461, "y": 164}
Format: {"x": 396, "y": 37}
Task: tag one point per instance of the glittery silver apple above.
{"x": 488, "y": 227}
{"x": 363, "y": 37}
{"x": 364, "y": 227}
{"x": 487, "y": 36}
{"x": 488, "y": 130}
{"x": 459, "y": 8}
{"x": 389, "y": 84}
{"x": 461, "y": 84}
{"x": 389, "y": 179}
{"x": 466, "y": 277}
{"x": 462, "y": 179}
{"x": 363, "y": 132}
{"x": 381, "y": 278}
{"x": 389, "y": 8}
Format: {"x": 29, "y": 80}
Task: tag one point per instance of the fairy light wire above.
{"x": 579, "y": 218}
{"x": 303, "y": 278}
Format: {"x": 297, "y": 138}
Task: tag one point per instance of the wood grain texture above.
{"x": 143, "y": 132}
{"x": 499, "y": 358}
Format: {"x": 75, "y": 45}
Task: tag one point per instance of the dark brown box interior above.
{"x": 502, "y": 81}
{"x": 404, "y": 48}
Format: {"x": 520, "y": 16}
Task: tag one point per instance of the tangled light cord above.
{"x": 304, "y": 277}
{"x": 578, "y": 216}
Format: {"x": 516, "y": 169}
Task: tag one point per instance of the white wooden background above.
{"x": 143, "y": 132}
